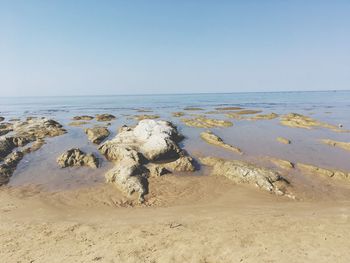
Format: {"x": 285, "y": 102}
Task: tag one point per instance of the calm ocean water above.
{"x": 265, "y": 100}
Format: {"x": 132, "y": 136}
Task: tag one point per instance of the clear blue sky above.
{"x": 125, "y": 47}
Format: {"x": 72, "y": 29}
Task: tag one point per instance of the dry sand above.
{"x": 186, "y": 219}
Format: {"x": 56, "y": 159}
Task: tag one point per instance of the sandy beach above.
{"x": 189, "y": 190}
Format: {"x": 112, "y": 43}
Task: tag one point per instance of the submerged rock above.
{"x": 247, "y": 173}
{"x": 204, "y": 122}
{"x": 138, "y": 152}
{"x": 145, "y": 117}
{"x": 247, "y": 112}
{"x": 75, "y": 157}
{"x": 97, "y": 134}
{"x": 296, "y": 120}
{"x": 283, "y": 140}
{"x": 342, "y": 145}
{"x": 213, "y": 139}
{"x": 193, "y": 109}
{"x": 269, "y": 116}
{"x": 78, "y": 123}
{"x": 178, "y": 114}
{"x": 228, "y": 108}
{"x": 83, "y": 118}
{"x": 312, "y": 169}
{"x": 105, "y": 117}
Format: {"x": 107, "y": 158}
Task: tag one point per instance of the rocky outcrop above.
{"x": 75, "y": 157}
{"x": 97, "y": 134}
{"x": 2, "y": 119}
{"x": 204, "y": 122}
{"x": 342, "y": 145}
{"x": 83, "y": 118}
{"x": 5, "y": 128}
{"x": 247, "y": 173}
{"x": 296, "y": 120}
{"x": 213, "y": 139}
{"x": 105, "y": 117}
{"x": 144, "y": 150}
{"x": 33, "y": 131}
{"x": 283, "y": 140}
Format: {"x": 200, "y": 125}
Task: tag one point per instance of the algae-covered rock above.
{"x": 97, "y": 134}
{"x": 193, "y": 109}
{"x": 283, "y": 140}
{"x": 204, "y": 122}
{"x": 105, "y": 117}
{"x": 342, "y": 145}
{"x": 269, "y": 116}
{"x": 228, "y": 108}
{"x": 213, "y": 139}
{"x": 295, "y": 120}
{"x": 246, "y": 173}
{"x": 78, "y": 123}
{"x": 76, "y": 157}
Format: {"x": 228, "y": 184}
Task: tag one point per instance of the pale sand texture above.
{"x": 189, "y": 219}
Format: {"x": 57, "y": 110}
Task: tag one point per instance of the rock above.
{"x": 2, "y": 119}
{"x": 5, "y": 128}
{"x": 144, "y": 110}
{"x": 283, "y": 140}
{"x": 75, "y": 157}
{"x": 284, "y": 164}
{"x": 243, "y": 172}
{"x": 78, "y": 123}
{"x": 269, "y": 116}
{"x": 228, "y": 108}
{"x": 203, "y": 122}
{"x": 343, "y": 145}
{"x": 178, "y": 114}
{"x": 145, "y": 117}
{"x": 247, "y": 112}
{"x": 105, "y": 117}
{"x": 295, "y": 120}
{"x": 31, "y": 131}
{"x": 135, "y": 149}
{"x": 213, "y": 139}
{"x": 193, "y": 109}
{"x": 97, "y": 134}
{"x": 83, "y": 118}
{"x": 311, "y": 169}
{"x": 9, "y": 165}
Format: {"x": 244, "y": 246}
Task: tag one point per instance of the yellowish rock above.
{"x": 311, "y": 169}
{"x": 343, "y": 145}
{"x": 146, "y": 117}
{"x": 283, "y": 140}
{"x": 203, "y": 122}
{"x": 213, "y": 139}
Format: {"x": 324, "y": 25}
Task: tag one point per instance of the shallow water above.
{"x": 255, "y": 138}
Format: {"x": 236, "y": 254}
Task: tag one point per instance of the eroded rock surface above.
{"x": 204, "y": 122}
{"x": 105, "y": 117}
{"x": 31, "y": 132}
{"x": 76, "y": 157}
{"x": 213, "y": 139}
{"x": 148, "y": 148}
{"x": 97, "y": 134}
{"x": 342, "y": 145}
{"x": 296, "y": 120}
{"x": 243, "y": 172}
